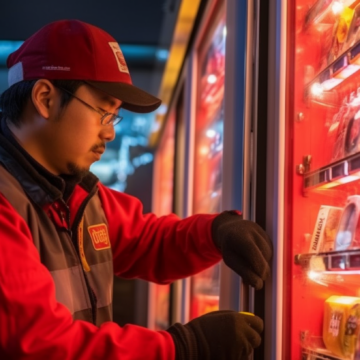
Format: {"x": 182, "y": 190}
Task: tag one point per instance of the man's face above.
{"x": 75, "y": 137}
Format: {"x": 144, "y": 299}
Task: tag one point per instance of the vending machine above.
{"x": 313, "y": 181}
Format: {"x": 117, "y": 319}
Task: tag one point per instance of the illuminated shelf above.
{"x": 318, "y": 354}
{"x": 337, "y": 173}
{"x": 334, "y": 74}
{"x": 345, "y": 260}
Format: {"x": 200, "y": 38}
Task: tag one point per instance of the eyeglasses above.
{"x": 107, "y": 118}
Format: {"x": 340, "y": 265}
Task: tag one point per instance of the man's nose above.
{"x": 108, "y": 132}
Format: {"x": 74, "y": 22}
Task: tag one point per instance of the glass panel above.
{"x": 208, "y": 157}
{"x": 163, "y": 205}
{"x": 127, "y": 153}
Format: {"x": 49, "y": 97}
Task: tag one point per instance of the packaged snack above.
{"x": 348, "y": 235}
{"x": 333, "y": 145}
{"x": 352, "y": 135}
{"x": 354, "y": 30}
{"x": 337, "y": 131}
{"x": 323, "y": 237}
{"x": 340, "y": 39}
{"x": 343, "y": 28}
{"x": 341, "y": 325}
{"x": 345, "y": 128}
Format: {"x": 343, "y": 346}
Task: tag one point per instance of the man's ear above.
{"x": 44, "y": 96}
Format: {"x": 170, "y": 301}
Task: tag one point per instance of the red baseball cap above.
{"x": 75, "y": 50}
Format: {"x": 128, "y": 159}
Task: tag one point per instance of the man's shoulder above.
{"x": 111, "y": 196}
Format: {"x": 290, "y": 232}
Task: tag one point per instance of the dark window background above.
{"x": 127, "y": 165}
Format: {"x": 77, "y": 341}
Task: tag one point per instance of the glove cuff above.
{"x": 185, "y": 342}
{"x": 220, "y": 220}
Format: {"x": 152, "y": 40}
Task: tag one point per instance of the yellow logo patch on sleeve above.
{"x": 99, "y": 236}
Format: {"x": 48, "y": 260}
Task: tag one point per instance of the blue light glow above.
{"x": 131, "y": 52}
{"x": 6, "y": 48}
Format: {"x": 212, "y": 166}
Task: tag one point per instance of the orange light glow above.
{"x": 204, "y": 150}
{"x": 344, "y": 180}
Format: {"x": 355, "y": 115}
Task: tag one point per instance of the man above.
{"x": 63, "y": 234}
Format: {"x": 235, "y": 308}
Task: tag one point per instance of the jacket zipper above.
{"x": 73, "y": 236}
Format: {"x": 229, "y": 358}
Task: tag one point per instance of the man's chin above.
{"x": 77, "y": 170}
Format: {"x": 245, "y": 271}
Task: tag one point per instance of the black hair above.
{"x": 14, "y": 99}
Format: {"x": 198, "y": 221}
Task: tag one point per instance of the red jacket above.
{"x": 34, "y": 326}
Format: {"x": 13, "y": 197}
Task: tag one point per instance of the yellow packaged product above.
{"x": 344, "y": 24}
{"x": 341, "y": 325}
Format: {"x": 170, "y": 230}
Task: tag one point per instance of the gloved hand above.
{"x": 219, "y": 335}
{"x": 245, "y": 247}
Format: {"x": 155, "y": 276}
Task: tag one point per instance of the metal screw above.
{"x": 303, "y": 336}
{"x": 307, "y": 162}
{"x": 300, "y": 169}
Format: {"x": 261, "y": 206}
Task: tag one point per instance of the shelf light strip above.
{"x": 319, "y": 356}
{"x": 341, "y": 173}
{"x": 342, "y": 68}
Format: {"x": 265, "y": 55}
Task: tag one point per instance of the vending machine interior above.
{"x": 322, "y": 186}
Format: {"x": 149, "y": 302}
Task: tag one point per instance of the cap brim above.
{"x": 133, "y": 98}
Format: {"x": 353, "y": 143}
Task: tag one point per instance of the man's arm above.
{"x": 33, "y": 325}
{"x": 158, "y": 249}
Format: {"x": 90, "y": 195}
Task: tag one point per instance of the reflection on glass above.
{"x": 208, "y": 158}
{"x": 127, "y": 152}
{"x": 163, "y": 205}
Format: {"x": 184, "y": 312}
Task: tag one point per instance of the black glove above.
{"x": 219, "y": 335}
{"x": 245, "y": 247}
